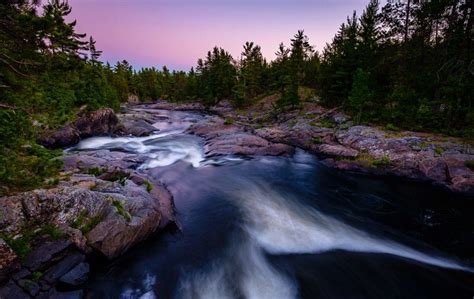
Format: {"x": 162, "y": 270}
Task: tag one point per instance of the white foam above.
{"x": 285, "y": 227}
{"x": 243, "y": 271}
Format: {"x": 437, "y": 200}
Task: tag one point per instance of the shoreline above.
{"x": 110, "y": 188}
{"x": 330, "y": 135}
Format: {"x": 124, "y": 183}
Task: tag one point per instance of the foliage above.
{"x": 408, "y": 63}
{"x": 36, "y": 276}
{"x": 391, "y": 127}
{"x": 381, "y": 162}
{"x": 20, "y": 245}
{"x": 53, "y": 232}
{"x": 95, "y": 171}
{"x": 121, "y": 210}
{"x": 148, "y": 185}
{"x": 85, "y": 223}
{"x": 229, "y": 121}
{"x": 90, "y": 224}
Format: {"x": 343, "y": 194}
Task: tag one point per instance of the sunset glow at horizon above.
{"x": 176, "y": 33}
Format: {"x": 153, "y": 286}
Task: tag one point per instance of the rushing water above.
{"x": 272, "y": 227}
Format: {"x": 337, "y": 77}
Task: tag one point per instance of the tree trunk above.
{"x": 407, "y": 20}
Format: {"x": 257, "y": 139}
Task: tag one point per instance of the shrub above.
{"x": 121, "y": 210}
{"x": 148, "y": 185}
{"x": 86, "y": 224}
{"x": 90, "y": 224}
{"x": 20, "y": 245}
{"x": 381, "y": 162}
{"x": 95, "y": 171}
{"x": 439, "y": 151}
{"x": 36, "y": 276}
{"x": 391, "y": 127}
{"x": 54, "y": 232}
{"x": 229, "y": 121}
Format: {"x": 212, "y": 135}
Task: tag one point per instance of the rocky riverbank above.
{"x": 100, "y": 207}
{"x": 330, "y": 134}
{"x": 103, "y": 205}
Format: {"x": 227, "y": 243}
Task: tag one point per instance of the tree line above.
{"x": 405, "y": 63}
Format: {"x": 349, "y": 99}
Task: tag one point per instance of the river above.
{"x": 276, "y": 227}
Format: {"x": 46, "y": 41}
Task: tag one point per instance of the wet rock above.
{"x": 338, "y": 151}
{"x": 224, "y": 139}
{"x": 461, "y": 177}
{"x": 53, "y": 293}
{"x": 119, "y": 230}
{"x": 12, "y": 291}
{"x": 44, "y": 255}
{"x": 77, "y": 275}
{"x": 167, "y": 209}
{"x": 213, "y": 128}
{"x": 62, "y": 267}
{"x": 99, "y": 122}
{"x": 23, "y": 273}
{"x": 137, "y": 128}
{"x": 30, "y": 286}
{"x": 434, "y": 169}
{"x": 344, "y": 165}
{"x": 115, "y": 217}
{"x": 66, "y": 136}
{"x": 245, "y": 144}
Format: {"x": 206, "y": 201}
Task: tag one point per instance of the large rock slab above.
{"x": 338, "y": 151}
{"x": 112, "y": 217}
{"x": 66, "y": 136}
{"x": 99, "y": 122}
{"x": 227, "y": 139}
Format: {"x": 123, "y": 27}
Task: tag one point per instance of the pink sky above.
{"x": 177, "y": 32}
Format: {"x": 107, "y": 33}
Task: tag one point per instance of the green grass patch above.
{"x": 439, "y": 151}
{"x": 79, "y": 221}
{"x": 36, "y": 276}
{"x": 317, "y": 140}
{"x": 148, "y": 185}
{"x": 90, "y": 224}
{"x": 121, "y": 210}
{"x": 95, "y": 171}
{"x": 84, "y": 223}
{"x": 381, "y": 162}
{"x": 323, "y": 123}
{"x": 117, "y": 176}
{"x": 229, "y": 121}
{"x": 53, "y": 232}
{"x": 21, "y": 245}
{"x": 391, "y": 127}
